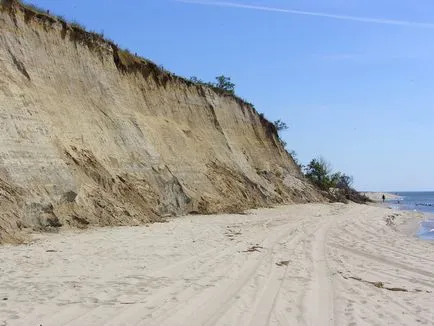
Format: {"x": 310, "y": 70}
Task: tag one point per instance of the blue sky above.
{"x": 353, "y": 79}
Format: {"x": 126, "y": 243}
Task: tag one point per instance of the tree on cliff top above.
{"x": 280, "y": 125}
{"x": 225, "y": 83}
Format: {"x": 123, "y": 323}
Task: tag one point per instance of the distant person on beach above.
{"x": 384, "y": 198}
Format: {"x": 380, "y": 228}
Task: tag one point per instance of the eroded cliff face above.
{"x": 91, "y": 135}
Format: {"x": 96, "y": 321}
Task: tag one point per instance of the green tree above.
{"x": 344, "y": 181}
{"x": 319, "y": 172}
{"x": 280, "y": 125}
{"x": 225, "y": 83}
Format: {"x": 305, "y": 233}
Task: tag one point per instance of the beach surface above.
{"x": 315, "y": 264}
{"x": 378, "y": 196}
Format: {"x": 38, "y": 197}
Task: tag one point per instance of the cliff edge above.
{"x": 92, "y": 135}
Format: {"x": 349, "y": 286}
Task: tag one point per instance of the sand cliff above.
{"x": 92, "y": 135}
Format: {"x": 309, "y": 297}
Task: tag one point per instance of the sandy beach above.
{"x": 378, "y": 196}
{"x": 316, "y": 264}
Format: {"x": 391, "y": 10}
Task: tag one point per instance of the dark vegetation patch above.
{"x": 336, "y": 186}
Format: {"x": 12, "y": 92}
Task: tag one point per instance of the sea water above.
{"x": 421, "y": 202}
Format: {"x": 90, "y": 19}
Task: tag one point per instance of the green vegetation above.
{"x": 199, "y": 81}
{"x": 337, "y": 185}
{"x": 280, "y": 125}
{"x": 319, "y": 172}
{"x": 225, "y": 84}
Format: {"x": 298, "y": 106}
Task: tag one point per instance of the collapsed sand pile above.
{"x": 92, "y": 135}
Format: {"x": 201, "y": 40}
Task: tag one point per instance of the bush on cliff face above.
{"x": 280, "y": 125}
{"x": 337, "y": 185}
{"x": 319, "y": 172}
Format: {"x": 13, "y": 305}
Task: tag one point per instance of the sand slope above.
{"x": 89, "y": 140}
{"x": 298, "y": 265}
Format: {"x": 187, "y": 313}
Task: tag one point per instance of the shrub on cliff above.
{"x": 319, "y": 172}
{"x": 225, "y": 84}
{"x": 337, "y": 186}
{"x": 280, "y": 125}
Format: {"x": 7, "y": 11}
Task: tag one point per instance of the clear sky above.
{"x": 353, "y": 79}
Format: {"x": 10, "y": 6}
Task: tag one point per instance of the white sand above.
{"x": 312, "y": 266}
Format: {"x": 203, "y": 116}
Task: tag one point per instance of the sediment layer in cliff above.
{"x": 92, "y": 135}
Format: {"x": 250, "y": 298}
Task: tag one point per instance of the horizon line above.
{"x": 359, "y": 19}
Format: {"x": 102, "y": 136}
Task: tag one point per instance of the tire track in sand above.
{"x": 215, "y": 302}
{"x": 318, "y": 304}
